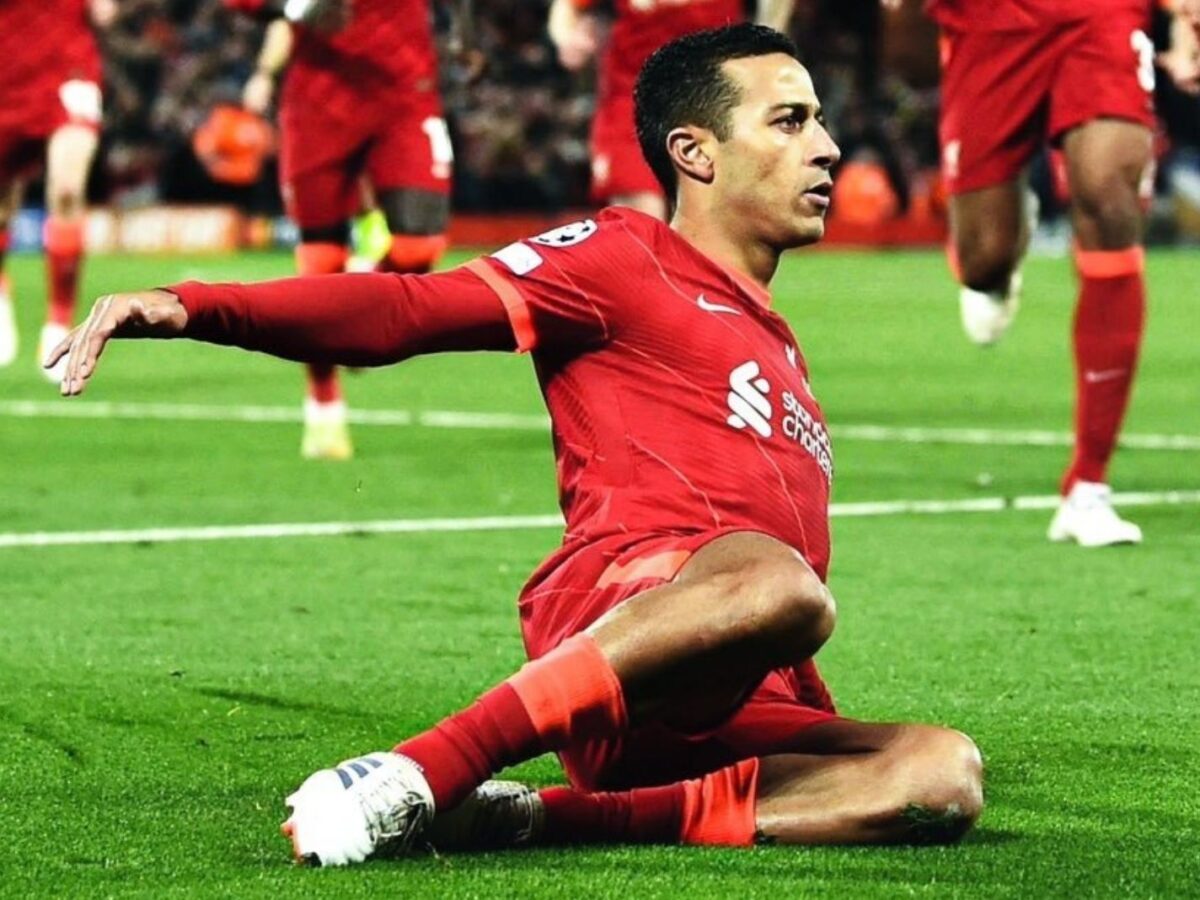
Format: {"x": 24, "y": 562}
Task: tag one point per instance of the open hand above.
{"x": 140, "y": 314}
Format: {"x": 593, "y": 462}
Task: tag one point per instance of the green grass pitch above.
{"x": 157, "y": 701}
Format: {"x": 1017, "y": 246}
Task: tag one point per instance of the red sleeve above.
{"x": 570, "y": 287}
{"x": 354, "y": 320}
{"x": 249, "y": 6}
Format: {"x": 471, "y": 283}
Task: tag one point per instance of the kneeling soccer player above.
{"x": 672, "y": 634}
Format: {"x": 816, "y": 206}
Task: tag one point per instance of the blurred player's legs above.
{"x": 1086, "y": 85}
{"x": 409, "y": 163}
{"x": 69, "y": 157}
{"x": 682, "y": 657}
{"x": 989, "y": 237}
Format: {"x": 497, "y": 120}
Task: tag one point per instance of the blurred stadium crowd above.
{"x": 521, "y": 131}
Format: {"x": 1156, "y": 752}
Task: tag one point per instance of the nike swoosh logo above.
{"x": 716, "y": 307}
{"x": 1091, "y": 376}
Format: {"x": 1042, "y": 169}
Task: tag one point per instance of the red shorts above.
{"x": 324, "y": 153}
{"x": 26, "y": 127}
{"x": 575, "y": 587}
{"x": 618, "y": 167}
{"x": 1006, "y": 92}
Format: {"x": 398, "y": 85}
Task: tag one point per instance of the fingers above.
{"x": 87, "y": 342}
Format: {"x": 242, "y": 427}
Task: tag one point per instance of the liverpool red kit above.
{"x": 681, "y": 411}
{"x": 362, "y": 100}
{"x": 51, "y": 76}
{"x": 641, "y": 27}
{"x": 1019, "y": 72}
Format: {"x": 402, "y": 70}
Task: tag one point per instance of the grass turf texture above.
{"x": 157, "y": 702}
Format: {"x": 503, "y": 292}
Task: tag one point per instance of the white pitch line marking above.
{"x": 88, "y": 409}
{"x": 515, "y": 523}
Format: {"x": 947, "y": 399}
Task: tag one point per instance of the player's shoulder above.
{"x": 613, "y": 237}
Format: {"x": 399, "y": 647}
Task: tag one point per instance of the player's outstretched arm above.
{"x": 142, "y": 314}
{"x": 354, "y": 320}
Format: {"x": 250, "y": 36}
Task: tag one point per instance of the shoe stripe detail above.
{"x": 345, "y": 776}
{"x": 360, "y": 769}
{"x": 369, "y": 761}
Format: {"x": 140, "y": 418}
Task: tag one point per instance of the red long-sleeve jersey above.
{"x": 679, "y": 401}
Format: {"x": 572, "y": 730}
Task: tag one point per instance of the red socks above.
{"x": 322, "y": 259}
{"x": 717, "y": 809}
{"x": 569, "y": 694}
{"x": 1109, "y": 320}
{"x": 415, "y": 253}
{"x": 63, "y": 240}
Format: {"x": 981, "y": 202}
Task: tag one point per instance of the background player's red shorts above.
{"x": 575, "y": 587}
{"x": 1005, "y": 92}
{"x": 325, "y": 150}
{"x": 28, "y": 121}
{"x": 618, "y": 167}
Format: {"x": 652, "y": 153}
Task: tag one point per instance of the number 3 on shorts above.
{"x": 440, "y": 147}
{"x": 1144, "y": 48}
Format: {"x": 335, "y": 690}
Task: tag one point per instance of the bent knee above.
{"x": 942, "y": 795}
{"x": 797, "y": 608}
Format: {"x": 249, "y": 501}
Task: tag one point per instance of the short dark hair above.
{"x": 682, "y": 84}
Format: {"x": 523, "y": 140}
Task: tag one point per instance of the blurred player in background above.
{"x": 359, "y": 98}
{"x": 49, "y": 115}
{"x": 672, "y": 635}
{"x": 619, "y": 171}
{"x": 1079, "y": 74}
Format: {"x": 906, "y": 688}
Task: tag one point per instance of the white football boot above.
{"x": 370, "y": 806}
{"x": 1086, "y": 516}
{"x": 986, "y": 315}
{"x": 52, "y": 335}
{"x": 326, "y": 432}
{"x": 497, "y": 815}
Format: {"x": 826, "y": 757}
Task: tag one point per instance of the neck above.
{"x": 752, "y": 258}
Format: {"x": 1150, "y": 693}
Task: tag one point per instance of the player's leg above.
{"x": 410, "y": 163}
{"x": 69, "y": 156}
{"x": 319, "y": 199}
{"x": 10, "y": 193}
{"x": 855, "y": 783}
{"x": 994, "y": 90}
{"x": 417, "y": 221}
{"x": 686, "y": 653}
{"x": 1102, "y": 115}
{"x": 988, "y": 237}
{"x": 1107, "y": 161}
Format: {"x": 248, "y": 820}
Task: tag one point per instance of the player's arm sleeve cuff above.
{"x": 514, "y": 303}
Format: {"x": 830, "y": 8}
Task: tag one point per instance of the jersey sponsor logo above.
{"x": 567, "y": 235}
{"x": 705, "y": 305}
{"x": 521, "y": 259}
{"x": 749, "y": 407}
{"x": 809, "y": 432}
{"x": 748, "y": 403}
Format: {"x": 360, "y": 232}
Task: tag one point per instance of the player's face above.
{"x": 773, "y": 172}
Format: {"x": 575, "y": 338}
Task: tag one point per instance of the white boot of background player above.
{"x": 1086, "y": 516}
{"x": 986, "y": 315}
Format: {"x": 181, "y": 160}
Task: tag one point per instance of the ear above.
{"x": 688, "y": 147}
